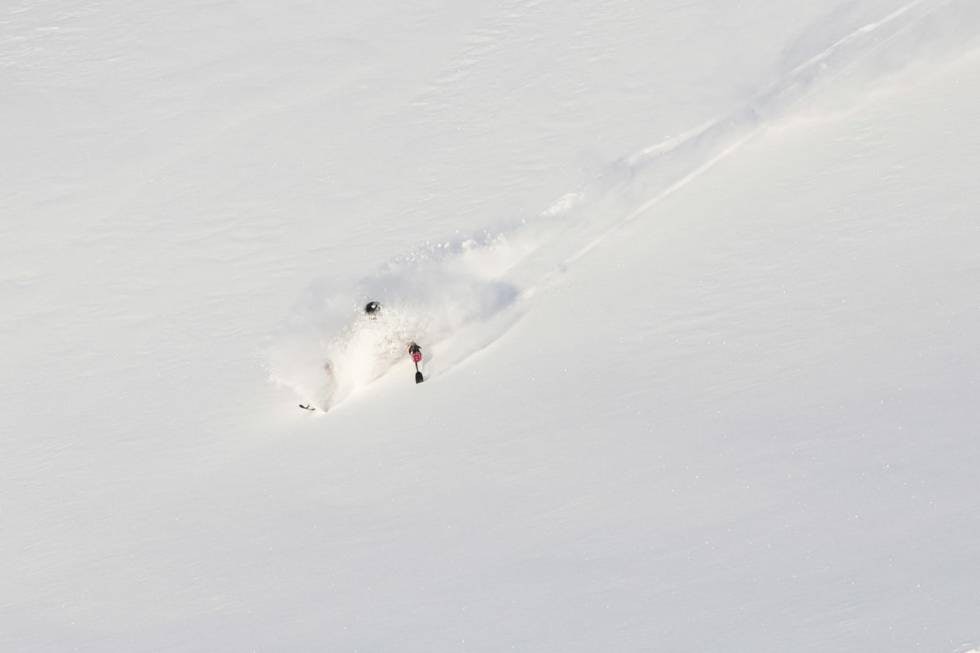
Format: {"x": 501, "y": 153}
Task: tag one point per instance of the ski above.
{"x": 307, "y": 407}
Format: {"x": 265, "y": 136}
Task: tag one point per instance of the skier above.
{"x": 377, "y": 338}
{"x": 373, "y": 311}
{"x": 416, "y": 353}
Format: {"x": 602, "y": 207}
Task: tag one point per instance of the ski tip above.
{"x": 418, "y": 377}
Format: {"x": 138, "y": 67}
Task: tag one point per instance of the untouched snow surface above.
{"x": 697, "y": 284}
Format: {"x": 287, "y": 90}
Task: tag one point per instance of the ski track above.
{"x": 462, "y": 295}
{"x": 720, "y": 138}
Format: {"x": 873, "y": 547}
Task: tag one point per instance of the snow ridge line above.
{"x": 715, "y": 140}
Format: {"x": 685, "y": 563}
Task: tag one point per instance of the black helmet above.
{"x": 372, "y": 308}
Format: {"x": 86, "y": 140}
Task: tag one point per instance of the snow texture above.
{"x": 696, "y": 283}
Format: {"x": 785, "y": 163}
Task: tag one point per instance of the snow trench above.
{"x": 456, "y": 297}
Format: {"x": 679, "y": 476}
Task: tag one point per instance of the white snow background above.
{"x": 698, "y": 285}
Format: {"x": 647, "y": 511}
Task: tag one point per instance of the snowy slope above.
{"x": 700, "y": 288}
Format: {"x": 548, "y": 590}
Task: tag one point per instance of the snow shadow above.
{"x": 466, "y": 293}
{"x": 825, "y": 71}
